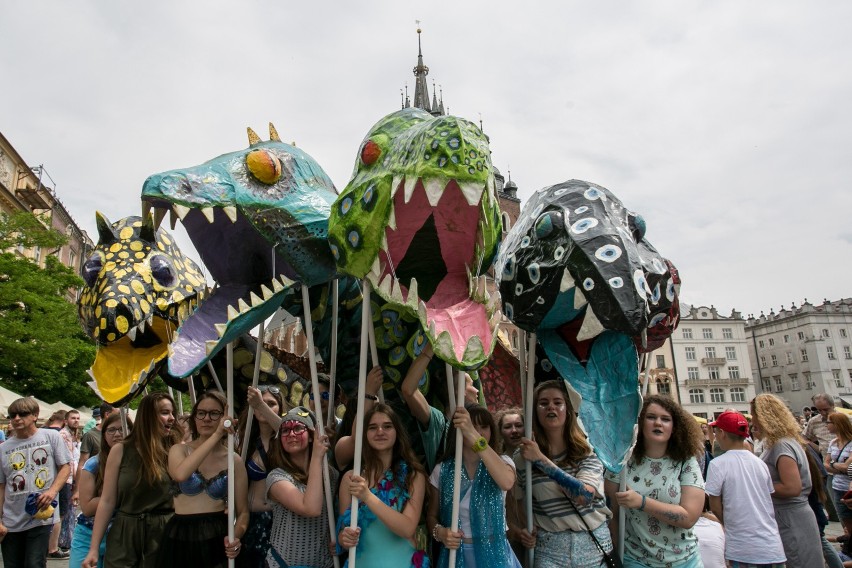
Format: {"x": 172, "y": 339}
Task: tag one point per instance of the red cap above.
{"x": 732, "y": 423}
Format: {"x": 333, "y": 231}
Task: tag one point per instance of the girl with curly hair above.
{"x": 665, "y": 491}
{"x": 787, "y": 460}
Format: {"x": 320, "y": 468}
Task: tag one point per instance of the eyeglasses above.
{"x": 556, "y": 403}
{"x": 212, "y": 414}
{"x": 295, "y": 430}
{"x": 323, "y": 395}
{"x": 114, "y": 431}
{"x": 268, "y": 388}
{"x": 19, "y": 414}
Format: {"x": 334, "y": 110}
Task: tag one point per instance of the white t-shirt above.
{"x": 711, "y": 542}
{"x": 744, "y": 483}
{"x": 464, "y": 502}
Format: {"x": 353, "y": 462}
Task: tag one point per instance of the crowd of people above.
{"x": 747, "y": 491}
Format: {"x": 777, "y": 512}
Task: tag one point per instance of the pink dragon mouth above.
{"x": 433, "y": 233}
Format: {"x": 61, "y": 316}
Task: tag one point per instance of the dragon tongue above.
{"x": 450, "y": 310}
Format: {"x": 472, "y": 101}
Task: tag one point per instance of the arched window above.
{"x": 507, "y": 223}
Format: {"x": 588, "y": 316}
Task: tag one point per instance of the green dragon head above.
{"x": 420, "y": 220}
{"x": 139, "y": 286}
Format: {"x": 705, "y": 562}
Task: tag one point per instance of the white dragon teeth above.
{"x": 410, "y": 184}
{"x": 567, "y": 281}
{"x": 146, "y": 210}
{"x": 384, "y": 244}
{"x": 180, "y": 210}
{"x": 397, "y": 180}
{"x": 413, "y": 298}
{"x": 591, "y": 326}
{"x": 267, "y": 293}
{"x": 141, "y": 326}
{"x": 255, "y": 300}
{"x": 173, "y": 219}
{"x": 385, "y": 285}
{"x": 159, "y": 214}
{"x": 244, "y": 307}
{"x": 209, "y": 213}
{"x": 232, "y": 313}
{"x": 277, "y": 286}
{"x": 221, "y": 328}
{"x": 434, "y": 191}
{"x": 579, "y": 299}
{"x": 131, "y": 333}
{"x": 472, "y": 192}
{"x": 392, "y": 218}
{"x": 231, "y": 212}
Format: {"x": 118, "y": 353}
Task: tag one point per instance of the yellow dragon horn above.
{"x": 252, "y": 136}
{"x": 273, "y": 134}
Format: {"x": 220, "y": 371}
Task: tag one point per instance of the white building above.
{"x": 711, "y": 362}
{"x": 802, "y": 351}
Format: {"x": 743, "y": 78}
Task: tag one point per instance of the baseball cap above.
{"x": 732, "y": 423}
{"x": 300, "y": 414}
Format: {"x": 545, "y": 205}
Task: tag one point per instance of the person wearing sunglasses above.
{"x": 196, "y": 536}
{"x": 300, "y": 530}
{"x": 34, "y": 465}
{"x": 90, "y": 485}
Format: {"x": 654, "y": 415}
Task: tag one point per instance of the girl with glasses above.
{"x": 390, "y": 496}
{"x": 197, "y": 534}
{"x": 136, "y": 487}
{"x": 300, "y": 530}
{"x": 90, "y": 485}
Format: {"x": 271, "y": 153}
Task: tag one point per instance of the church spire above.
{"x": 421, "y": 88}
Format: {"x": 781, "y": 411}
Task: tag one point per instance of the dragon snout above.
{"x": 116, "y": 320}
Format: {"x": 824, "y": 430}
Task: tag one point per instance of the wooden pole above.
{"x": 528, "y": 420}
{"x": 454, "y": 522}
{"x": 231, "y": 470}
{"x": 332, "y": 371}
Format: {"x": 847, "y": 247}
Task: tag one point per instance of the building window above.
{"x": 733, "y": 372}
{"x": 789, "y": 357}
{"x": 738, "y": 394}
{"x": 713, "y": 373}
{"x": 717, "y": 395}
{"x": 771, "y": 341}
{"x": 774, "y": 360}
{"x": 843, "y": 333}
{"x": 707, "y": 333}
{"x": 804, "y": 353}
{"x": 767, "y": 387}
{"x": 710, "y": 352}
{"x": 838, "y": 382}
{"x": 850, "y": 374}
{"x": 731, "y": 353}
{"x": 809, "y": 384}
{"x": 690, "y": 353}
{"x": 696, "y": 396}
{"x": 687, "y": 333}
{"x": 760, "y": 343}
{"x": 786, "y": 338}
{"x": 763, "y": 360}
{"x": 692, "y": 373}
{"x": 825, "y": 333}
{"x": 37, "y": 254}
{"x": 661, "y": 361}
{"x": 778, "y": 387}
{"x": 794, "y": 381}
{"x": 801, "y": 335}
{"x": 847, "y": 352}
{"x": 664, "y": 389}
{"x": 830, "y": 351}
{"x": 727, "y": 333}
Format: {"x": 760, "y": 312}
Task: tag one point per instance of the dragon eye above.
{"x": 264, "y": 166}
{"x": 548, "y": 223}
{"x": 162, "y": 270}
{"x": 91, "y": 269}
{"x": 370, "y": 152}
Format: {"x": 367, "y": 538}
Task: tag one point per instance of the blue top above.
{"x": 216, "y": 488}
{"x": 257, "y": 471}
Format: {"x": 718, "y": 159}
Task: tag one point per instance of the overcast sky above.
{"x": 727, "y": 125}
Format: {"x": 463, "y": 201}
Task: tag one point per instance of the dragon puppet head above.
{"x": 259, "y": 219}
{"x": 420, "y": 220}
{"x": 138, "y": 287}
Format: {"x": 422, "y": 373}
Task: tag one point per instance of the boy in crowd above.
{"x": 739, "y": 486}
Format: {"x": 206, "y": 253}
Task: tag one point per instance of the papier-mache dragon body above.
{"x": 577, "y": 270}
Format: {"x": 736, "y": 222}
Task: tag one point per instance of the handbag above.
{"x": 610, "y": 559}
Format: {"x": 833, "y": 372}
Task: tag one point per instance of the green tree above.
{"x": 43, "y": 350}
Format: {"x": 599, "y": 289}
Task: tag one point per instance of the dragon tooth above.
{"x": 90, "y": 373}
{"x": 434, "y": 191}
{"x": 231, "y": 212}
{"x": 141, "y": 326}
{"x": 243, "y": 306}
{"x": 432, "y": 330}
{"x": 567, "y": 281}
{"x": 180, "y": 210}
{"x": 410, "y": 184}
{"x": 384, "y": 244}
{"x": 474, "y": 348}
{"x": 422, "y": 312}
{"x": 159, "y": 214}
{"x": 472, "y": 192}
{"x": 385, "y": 286}
{"x": 209, "y": 213}
{"x": 483, "y": 286}
{"x": 255, "y": 300}
{"x": 285, "y": 281}
{"x": 397, "y": 180}
{"x": 150, "y": 321}
{"x": 376, "y": 269}
{"x": 392, "y": 219}
{"x": 146, "y": 209}
{"x": 267, "y": 293}
{"x": 591, "y": 326}
{"x": 396, "y": 291}
{"x": 210, "y": 345}
{"x": 277, "y": 286}
{"x": 173, "y": 219}
{"x": 131, "y": 333}
{"x": 221, "y": 329}
{"x": 232, "y": 313}
{"x": 413, "y": 298}
{"x": 579, "y": 299}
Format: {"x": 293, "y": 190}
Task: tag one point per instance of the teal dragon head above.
{"x": 259, "y": 220}
{"x": 420, "y": 220}
{"x": 139, "y": 287}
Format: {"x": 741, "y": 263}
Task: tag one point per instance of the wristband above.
{"x": 372, "y": 397}
{"x": 642, "y": 506}
{"x": 435, "y": 532}
{"x": 480, "y": 445}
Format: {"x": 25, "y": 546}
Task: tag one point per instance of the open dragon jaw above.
{"x": 258, "y": 218}
{"x": 420, "y": 220}
{"x": 138, "y": 288}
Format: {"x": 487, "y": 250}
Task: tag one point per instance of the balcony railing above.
{"x": 741, "y": 382}
{"x": 719, "y": 361}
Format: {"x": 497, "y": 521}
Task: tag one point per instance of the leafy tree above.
{"x": 43, "y": 350}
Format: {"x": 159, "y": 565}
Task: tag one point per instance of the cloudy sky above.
{"x": 726, "y": 124}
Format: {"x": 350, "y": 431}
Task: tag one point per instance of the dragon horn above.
{"x": 253, "y": 137}
{"x": 105, "y": 231}
{"x": 148, "y": 232}
{"x": 273, "y": 134}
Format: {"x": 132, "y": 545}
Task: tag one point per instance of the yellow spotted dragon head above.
{"x": 139, "y": 287}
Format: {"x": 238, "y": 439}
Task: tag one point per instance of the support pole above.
{"x": 528, "y": 420}
{"x": 374, "y": 351}
{"x": 454, "y": 521}
{"x": 124, "y": 428}
{"x": 215, "y": 377}
{"x": 261, "y": 329}
{"x": 332, "y": 371}
{"x": 326, "y": 479}
{"x": 231, "y": 472}
{"x": 192, "y": 386}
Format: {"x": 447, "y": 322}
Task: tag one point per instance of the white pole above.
{"x": 215, "y": 377}
{"x": 192, "y": 387}
{"x": 374, "y": 351}
{"x": 180, "y": 402}
{"x": 231, "y": 471}
{"x": 451, "y": 392}
{"x": 528, "y": 420}
{"x": 359, "y": 419}
{"x": 454, "y": 521}
{"x": 332, "y": 371}
{"x": 326, "y": 480}
{"x": 261, "y": 328}
{"x": 123, "y": 413}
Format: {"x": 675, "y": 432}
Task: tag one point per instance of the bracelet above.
{"x": 435, "y": 532}
{"x": 642, "y": 506}
{"x": 372, "y": 397}
{"x": 480, "y": 445}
